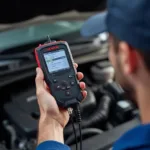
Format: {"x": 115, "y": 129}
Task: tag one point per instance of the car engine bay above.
{"x": 106, "y": 112}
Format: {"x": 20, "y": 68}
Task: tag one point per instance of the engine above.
{"x": 104, "y": 109}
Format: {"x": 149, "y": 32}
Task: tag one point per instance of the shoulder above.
{"x": 137, "y": 138}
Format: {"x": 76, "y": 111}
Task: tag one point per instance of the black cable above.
{"x": 79, "y": 119}
{"x": 85, "y": 132}
{"x": 80, "y": 129}
{"x": 74, "y": 130}
{"x": 98, "y": 117}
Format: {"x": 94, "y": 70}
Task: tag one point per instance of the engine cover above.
{"x": 23, "y": 111}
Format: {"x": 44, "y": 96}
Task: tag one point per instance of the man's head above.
{"x": 130, "y": 64}
{"x": 119, "y": 61}
{"x": 128, "y": 25}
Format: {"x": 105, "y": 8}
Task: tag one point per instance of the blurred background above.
{"x": 106, "y": 113}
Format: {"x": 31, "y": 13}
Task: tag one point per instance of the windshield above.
{"x": 35, "y": 33}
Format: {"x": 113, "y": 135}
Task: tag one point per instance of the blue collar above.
{"x": 134, "y": 138}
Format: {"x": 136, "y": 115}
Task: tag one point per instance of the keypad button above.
{"x": 63, "y": 87}
{"x": 54, "y": 80}
{"x": 64, "y": 83}
{"x": 67, "y": 93}
{"x": 72, "y": 83}
{"x": 58, "y": 87}
{"x": 68, "y": 87}
{"x": 70, "y": 76}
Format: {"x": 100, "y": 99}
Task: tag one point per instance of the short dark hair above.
{"x": 145, "y": 55}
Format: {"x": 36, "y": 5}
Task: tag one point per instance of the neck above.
{"x": 143, "y": 99}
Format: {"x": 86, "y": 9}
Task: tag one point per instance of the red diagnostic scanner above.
{"x": 56, "y": 61}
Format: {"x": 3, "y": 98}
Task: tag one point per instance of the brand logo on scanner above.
{"x": 52, "y": 48}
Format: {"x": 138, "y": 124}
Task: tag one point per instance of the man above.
{"x": 128, "y": 25}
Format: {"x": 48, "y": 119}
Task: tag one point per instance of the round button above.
{"x": 70, "y": 76}
{"x": 72, "y": 83}
{"x": 54, "y": 80}
{"x": 63, "y": 87}
{"x": 68, "y": 87}
{"x": 58, "y": 87}
{"x": 68, "y": 93}
{"x": 64, "y": 83}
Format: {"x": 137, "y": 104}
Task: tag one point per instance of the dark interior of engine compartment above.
{"x": 103, "y": 111}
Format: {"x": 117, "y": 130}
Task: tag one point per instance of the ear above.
{"x": 128, "y": 58}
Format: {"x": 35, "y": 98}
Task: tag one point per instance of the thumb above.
{"x": 39, "y": 81}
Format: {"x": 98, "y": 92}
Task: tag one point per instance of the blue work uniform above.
{"x": 137, "y": 138}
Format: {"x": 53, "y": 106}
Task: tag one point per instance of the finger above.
{"x": 46, "y": 86}
{"x": 82, "y": 85}
{"x": 39, "y": 80}
{"x": 84, "y": 93}
{"x": 80, "y": 76}
{"x": 76, "y": 65}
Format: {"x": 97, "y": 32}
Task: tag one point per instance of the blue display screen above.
{"x": 56, "y": 61}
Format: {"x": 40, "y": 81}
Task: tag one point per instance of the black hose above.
{"x": 85, "y": 132}
{"x": 100, "y": 116}
{"x": 12, "y": 133}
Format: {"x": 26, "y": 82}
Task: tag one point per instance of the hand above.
{"x": 49, "y": 109}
